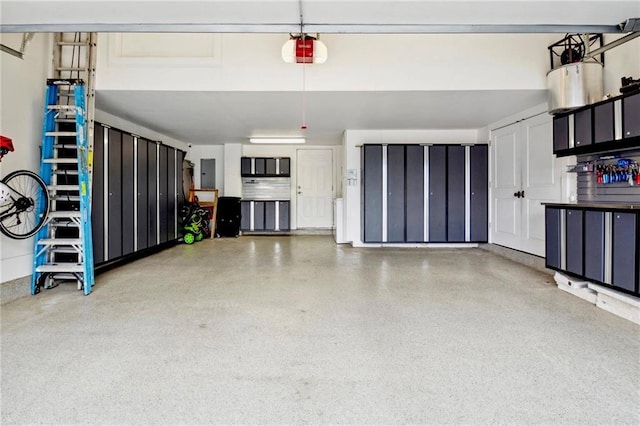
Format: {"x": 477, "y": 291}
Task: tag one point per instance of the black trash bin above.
{"x": 228, "y": 217}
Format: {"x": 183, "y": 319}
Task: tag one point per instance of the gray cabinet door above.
{"x": 142, "y": 219}
{"x": 372, "y": 193}
{"x": 553, "y": 237}
{"x": 152, "y": 194}
{"x": 560, "y": 133}
{"x": 270, "y": 215}
{"x": 284, "y": 215}
{"x": 594, "y": 245}
{"x": 270, "y": 166}
{"x": 438, "y": 193}
{"x": 258, "y": 215}
{"x": 414, "y": 193}
{"x": 163, "y": 194}
{"x": 479, "y": 193}
{"x": 395, "y": 194}
{"x": 245, "y": 215}
{"x": 631, "y": 116}
{"x": 624, "y": 248}
{"x": 285, "y": 166}
{"x": 245, "y": 166}
{"x": 603, "y": 123}
{"x": 97, "y": 197}
{"x": 115, "y": 194}
{"x": 171, "y": 194}
{"x": 128, "y": 196}
{"x": 583, "y": 127}
{"x": 574, "y": 241}
{"x": 260, "y": 166}
{"x": 455, "y": 194}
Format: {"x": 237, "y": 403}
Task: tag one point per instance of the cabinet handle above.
{"x": 522, "y": 193}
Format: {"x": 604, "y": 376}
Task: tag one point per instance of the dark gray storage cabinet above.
{"x": 415, "y": 193}
{"x": 631, "y": 116}
{"x": 264, "y": 216}
{"x": 583, "y": 128}
{"x": 624, "y": 247}
{"x": 456, "y": 196}
{"x": 136, "y": 193}
{"x": 396, "y": 193}
{"x": 574, "y": 241}
{"x": 594, "y": 245}
{"x": 114, "y": 200}
{"x": 553, "y": 237}
{"x": 479, "y": 187}
{"x": 603, "y": 123}
{"x": 152, "y": 194}
{"x": 372, "y": 193}
{"x": 609, "y": 125}
{"x": 163, "y": 193}
{"x": 142, "y": 216}
{"x": 128, "y": 196}
{"x": 97, "y": 195}
{"x": 560, "y": 133}
{"x": 265, "y": 167}
{"x": 439, "y": 192}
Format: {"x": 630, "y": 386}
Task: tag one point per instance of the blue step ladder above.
{"x": 64, "y": 247}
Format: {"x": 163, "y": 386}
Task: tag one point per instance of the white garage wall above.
{"x": 621, "y": 61}
{"x": 22, "y": 88}
{"x": 199, "y": 152}
{"x": 241, "y": 62}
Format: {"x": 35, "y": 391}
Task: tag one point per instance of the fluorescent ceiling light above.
{"x": 277, "y": 140}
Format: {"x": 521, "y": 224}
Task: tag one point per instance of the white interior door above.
{"x": 525, "y": 174}
{"x": 541, "y": 180}
{"x": 506, "y": 181}
{"x": 314, "y": 175}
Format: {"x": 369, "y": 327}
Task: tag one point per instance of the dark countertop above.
{"x": 601, "y": 206}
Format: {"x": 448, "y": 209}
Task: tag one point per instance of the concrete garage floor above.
{"x": 299, "y": 330}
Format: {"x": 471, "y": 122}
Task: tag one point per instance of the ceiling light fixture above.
{"x": 277, "y": 140}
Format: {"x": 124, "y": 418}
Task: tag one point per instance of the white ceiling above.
{"x": 218, "y": 117}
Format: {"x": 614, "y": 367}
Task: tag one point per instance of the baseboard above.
{"x": 15, "y": 289}
{"x": 530, "y": 260}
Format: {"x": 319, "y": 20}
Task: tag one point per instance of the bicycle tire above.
{"x": 25, "y": 222}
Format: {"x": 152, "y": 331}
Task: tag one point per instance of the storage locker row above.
{"x": 265, "y": 167}
{"x": 265, "y": 216}
{"x": 415, "y": 193}
{"x": 136, "y": 194}
{"x": 596, "y": 245}
{"x": 599, "y": 127}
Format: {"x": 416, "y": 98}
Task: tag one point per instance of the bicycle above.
{"x": 24, "y": 200}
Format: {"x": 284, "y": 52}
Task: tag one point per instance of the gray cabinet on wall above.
{"x": 135, "y": 194}
{"x": 417, "y": 194}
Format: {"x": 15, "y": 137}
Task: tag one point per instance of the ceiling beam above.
{"x": 313, "y": 28}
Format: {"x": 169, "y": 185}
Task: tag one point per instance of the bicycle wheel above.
{"x": 24, "y": 212}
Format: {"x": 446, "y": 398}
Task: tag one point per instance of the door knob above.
{"x": 299, "y": 192}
